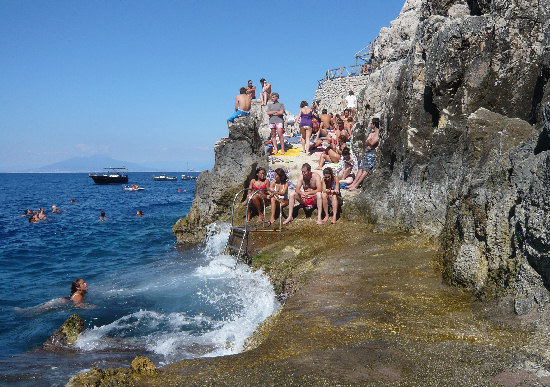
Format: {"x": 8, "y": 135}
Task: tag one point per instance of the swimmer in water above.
{"x": 102, "y": 216}
{"x": 139, "y": 213}
{"x": 78, "y": 289}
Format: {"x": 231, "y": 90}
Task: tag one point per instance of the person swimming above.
{"x": 78, "y": 289}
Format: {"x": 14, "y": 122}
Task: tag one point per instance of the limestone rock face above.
{"x": 236, "y": 160}
{"x": 461, "y": 88}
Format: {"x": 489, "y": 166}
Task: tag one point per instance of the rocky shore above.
{"x": 452, "y": 286}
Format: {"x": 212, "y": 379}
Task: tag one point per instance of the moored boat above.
{"x": 110, "y": 176}
{"x": 163, "y": 177}
{"x": 188, "y": 177}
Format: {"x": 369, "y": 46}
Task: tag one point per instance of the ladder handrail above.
{"x": 245, "y": 233}
{"x": 256, "y": 191}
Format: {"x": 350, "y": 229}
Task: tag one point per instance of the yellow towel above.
{"x": 289, "y": 152}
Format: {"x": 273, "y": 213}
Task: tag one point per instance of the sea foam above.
{"x": 234, "y": 301}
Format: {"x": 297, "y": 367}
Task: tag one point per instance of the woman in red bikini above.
{"x": 258, "y": 198}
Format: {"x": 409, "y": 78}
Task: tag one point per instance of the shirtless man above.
{"x": 251, "y": 90}
{"x": 367, "y": 163}
{"x": 242, "y": 106}
{"x": 265, "y": 95}
{"x": 310, "y": 197}
{"x": 347, "y": 124}
{"x": 324, "y": 127}
{"x": 56, "y": 210}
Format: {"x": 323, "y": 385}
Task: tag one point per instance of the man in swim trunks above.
{"x": 251, "y": 90}
{"x": 275, "y": 111}
{"x": 242, "y": 106}
{"x": 367, "y": 163}
{"x": 311, "y": 196}
{"x": 265, "y": 95}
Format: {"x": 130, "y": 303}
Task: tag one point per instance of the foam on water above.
{"x": 232, "y": 300}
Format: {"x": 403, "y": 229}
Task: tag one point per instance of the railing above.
{"x": 341, "y": 72}
{"x": 256, "y": 192}
{"x": 242, "y": 232}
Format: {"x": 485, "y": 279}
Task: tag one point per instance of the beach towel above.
{"x": 289, "y": 152}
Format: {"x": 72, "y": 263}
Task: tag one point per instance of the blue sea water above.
{"x": 145, "y": 296}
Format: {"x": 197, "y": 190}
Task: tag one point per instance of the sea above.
{"x": 145, "y": 295}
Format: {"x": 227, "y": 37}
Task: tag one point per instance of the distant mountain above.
{"x": 89, "y": 164}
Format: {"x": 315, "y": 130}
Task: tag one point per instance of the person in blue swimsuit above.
{"x": 242, "y": 106}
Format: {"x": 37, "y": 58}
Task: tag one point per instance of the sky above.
{"x": 153, "y": 82}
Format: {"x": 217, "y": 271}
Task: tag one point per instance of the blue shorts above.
{"x": 367, "y": 164}
{"x": 237, "y": 114}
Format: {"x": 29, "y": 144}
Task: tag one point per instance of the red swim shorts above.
{"x": 309, "y": 201}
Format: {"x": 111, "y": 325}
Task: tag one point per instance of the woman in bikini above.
{"x": 258, "y": 198}
{"x": 279, "y": 189}
{"x": 306, "y": 124}
{"x": 331, "y": 193}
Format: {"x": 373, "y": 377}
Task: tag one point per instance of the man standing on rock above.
{"x": 367, "y": 163}
{"x": 310, "y": 197}
{"x": 242, "y": 106}
{"x": 251, "y": 90}
{"x": 275, "y": 111}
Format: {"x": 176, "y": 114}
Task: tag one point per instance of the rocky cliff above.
{"x": 461, "y": 88}
{"x": 236, "y": 159}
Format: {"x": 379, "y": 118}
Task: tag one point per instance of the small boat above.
{"x": 110, "y": 176}
{"x": 188, "y": 177}
{"x": 164, "y": 178}
{"x": 133, "y": 188}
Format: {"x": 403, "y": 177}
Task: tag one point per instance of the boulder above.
{"x": 236, "y": 160}
{"x": 66, "y": 334}
{"x": 141, "y": 366}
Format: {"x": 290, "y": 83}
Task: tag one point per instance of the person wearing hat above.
{"x": 329, "y": 154}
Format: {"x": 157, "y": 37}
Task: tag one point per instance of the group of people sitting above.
{"x": 311, "y": 191}
{"x": 39, "y": 215}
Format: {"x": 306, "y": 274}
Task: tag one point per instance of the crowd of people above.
{"x": 40, "y": 215}
{"x": 326, "y": 133}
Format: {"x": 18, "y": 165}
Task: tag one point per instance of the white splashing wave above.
{"x": 177, "y": 336}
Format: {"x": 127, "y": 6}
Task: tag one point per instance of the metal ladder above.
{"x": 233, "y": 247}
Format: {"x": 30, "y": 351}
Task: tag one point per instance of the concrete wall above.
{"x": 334, "y": 91}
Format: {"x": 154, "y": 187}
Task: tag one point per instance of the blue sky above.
{"x": 153, "y": 82}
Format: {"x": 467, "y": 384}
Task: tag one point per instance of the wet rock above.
{"x": 66, "y": 334}
{"x": 236, "y": 159}
{"x": 141, "y": 366}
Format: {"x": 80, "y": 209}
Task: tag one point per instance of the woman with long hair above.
{"x": 305, "y": 118}
{"x": 256, "y": 199}
{"x": 331, "y": 194}
{"x": 279, "y": 189}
